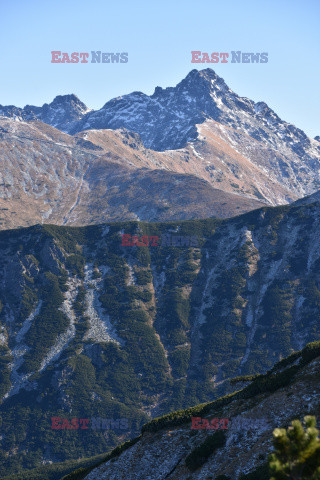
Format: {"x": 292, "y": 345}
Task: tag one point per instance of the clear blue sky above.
{"x": 159, "y": 37}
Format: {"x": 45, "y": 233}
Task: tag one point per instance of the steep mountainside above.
{"x": 170, "y": 449}
{"x": 90, "y": 328}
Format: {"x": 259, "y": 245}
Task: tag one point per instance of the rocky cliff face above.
{"x": 93, "y": 328}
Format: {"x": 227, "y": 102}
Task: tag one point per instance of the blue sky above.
{"x": 159, "y": 37}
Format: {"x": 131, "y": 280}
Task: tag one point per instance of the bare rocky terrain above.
{"x": 52, "y": 177}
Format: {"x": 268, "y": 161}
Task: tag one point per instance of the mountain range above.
{"x": 66, "y": 164}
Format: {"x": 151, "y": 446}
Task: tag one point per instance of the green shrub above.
{"x": 296, "y": 451}
{"x": 75, "y": 264}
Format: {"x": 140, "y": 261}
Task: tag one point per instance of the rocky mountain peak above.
{"x": 62, "y": 112}
{"x": 203, "y": 82}
{"x": 66, "y": 98}
{"x": 70, "y": 104}
{"x": 70, "y": 101}
{"x": 207, "y": 74}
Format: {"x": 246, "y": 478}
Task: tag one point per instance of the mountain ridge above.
{"x": 200, "y": 84}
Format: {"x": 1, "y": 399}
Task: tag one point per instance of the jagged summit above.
{"x": 167, "y": 119}
{"x": 67, "y": 97}
{"x": 69, "y": 101}
{"x": 207, "y": 74}
{"x": 62, "y": 99}
{"x": 60, "y": 113}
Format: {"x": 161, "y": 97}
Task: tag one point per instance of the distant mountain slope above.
{"x": 49, "y": 176}
{"x": 92, "y": 328}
